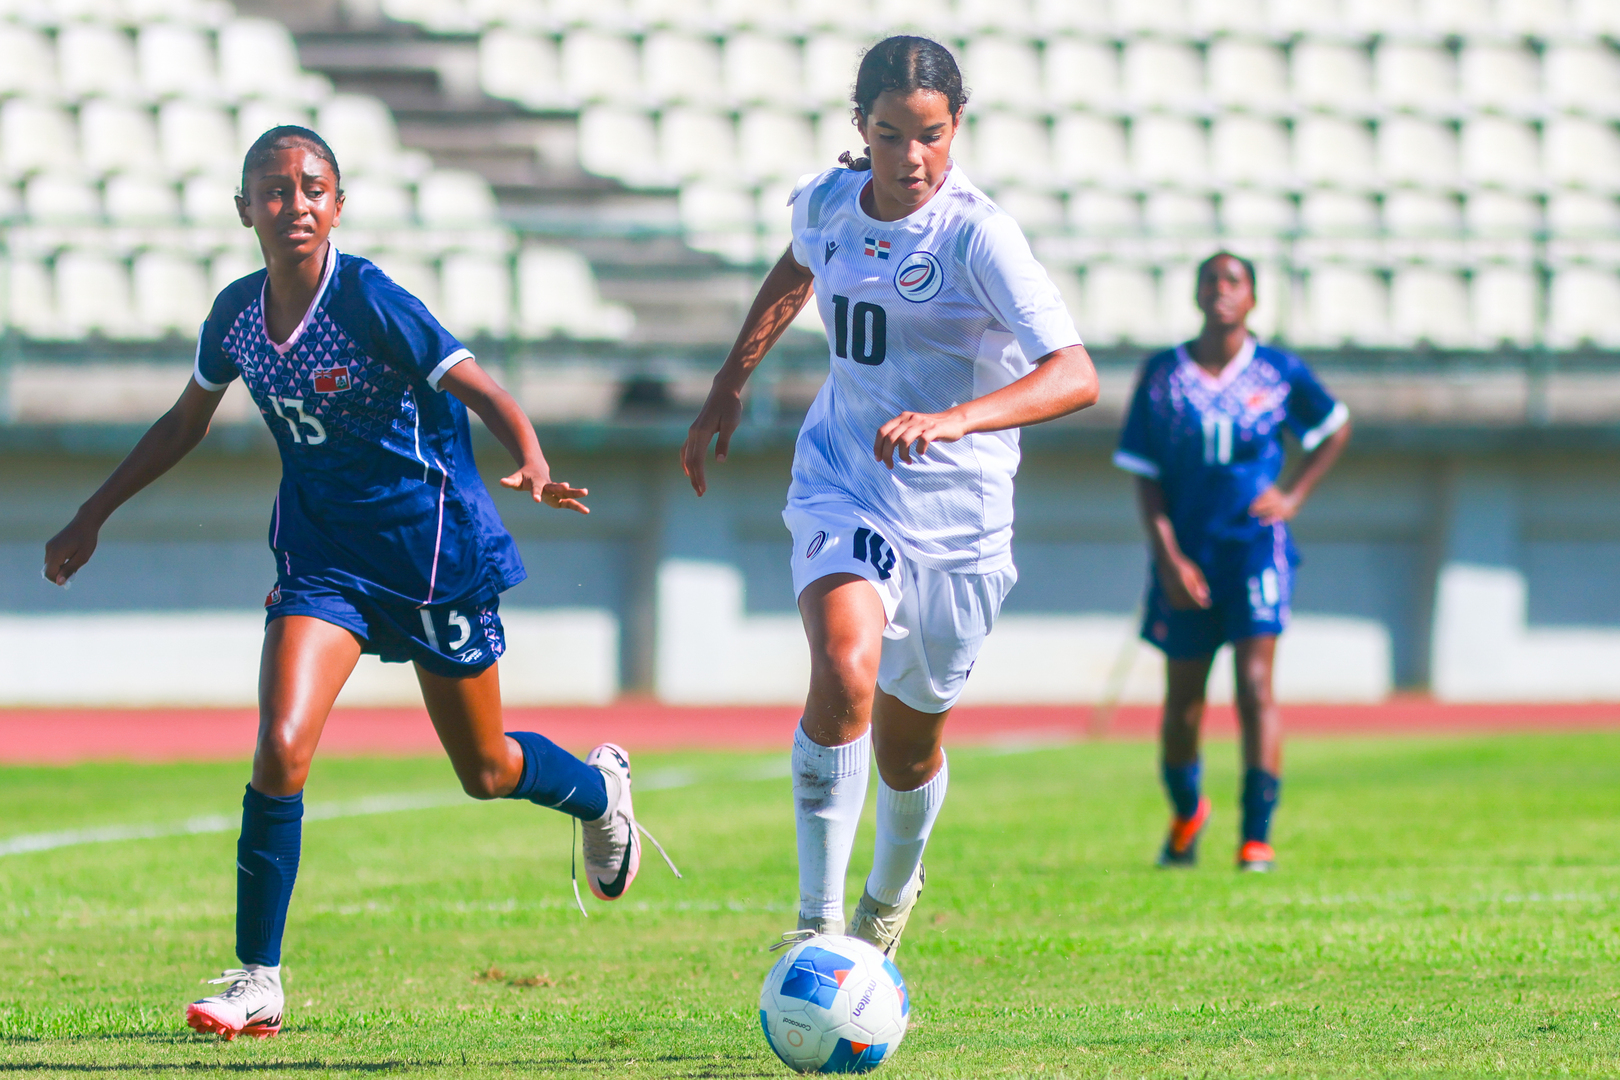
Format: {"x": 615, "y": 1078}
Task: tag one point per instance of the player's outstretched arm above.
{"x": 174, "y": 436}
{"x": 1063, "y": 382}
{"x": 1281, "y": 502}
{"x": 1180, "y": 578}
{"x": 505, "y": 419}
{"x": 780, "y": 299}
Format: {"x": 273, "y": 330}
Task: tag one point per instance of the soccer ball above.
{"x": 834, "y": 1004}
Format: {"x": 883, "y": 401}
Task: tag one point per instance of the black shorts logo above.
{"x": 816, "y": 543}
{"x": 872, "y": 548}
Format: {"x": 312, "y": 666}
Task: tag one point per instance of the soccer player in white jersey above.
{"x": 946, "y": 336}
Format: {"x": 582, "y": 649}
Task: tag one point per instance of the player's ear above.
{"x": 242, "y": 212}
{"x": 337, "y": 212}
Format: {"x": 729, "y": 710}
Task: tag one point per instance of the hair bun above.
{"x": 850, "y": 161}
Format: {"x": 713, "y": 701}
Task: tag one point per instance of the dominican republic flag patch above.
{"x": 880, "y": 248}
{"x": 332, "y": 380}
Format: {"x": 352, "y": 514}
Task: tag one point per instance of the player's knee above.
{"x": 481, "y": 783}
{"x": 845, "y": 667}
{"x": 280, "y": 766}
{"x": 1253, "y": 687}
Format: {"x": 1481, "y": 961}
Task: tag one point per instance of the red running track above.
{"x": 63, "y": 736}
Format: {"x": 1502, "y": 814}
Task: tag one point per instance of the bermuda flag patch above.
{"x": 332, "y": 380}
{"x": 880, "y": 248}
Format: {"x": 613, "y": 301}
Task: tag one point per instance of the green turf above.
{"x": 1445, "y": 907}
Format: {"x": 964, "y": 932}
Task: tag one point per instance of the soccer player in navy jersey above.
{"x": 1204, "y": 439}
{"x": 384, "y": 537}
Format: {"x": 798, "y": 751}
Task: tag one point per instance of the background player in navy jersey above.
{"x": 1204, "y": 438}
{"x": 384, "y": 537}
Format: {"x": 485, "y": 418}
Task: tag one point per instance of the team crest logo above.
{"x": 816, "y": 543}
{"x": 274, "y": 598}
{"x": 332, "y": 380}
{"x": 919, "y": 277}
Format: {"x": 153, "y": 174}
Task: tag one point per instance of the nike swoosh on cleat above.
{"x": 614, "y": 888}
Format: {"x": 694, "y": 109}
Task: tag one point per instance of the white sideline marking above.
{"x": 657, "y": 780}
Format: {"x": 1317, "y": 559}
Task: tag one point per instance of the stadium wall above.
{"x": 1481, "y": 565}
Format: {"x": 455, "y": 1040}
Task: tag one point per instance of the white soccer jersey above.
{"x": 943, "y": 306}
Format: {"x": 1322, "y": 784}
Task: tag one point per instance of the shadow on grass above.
{"x": 221, "y": 1066}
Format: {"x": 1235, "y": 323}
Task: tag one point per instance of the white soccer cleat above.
{"x": 612, "y": 847}
{"x": 880, "y": 925}
{"x": 251, "y": 1005}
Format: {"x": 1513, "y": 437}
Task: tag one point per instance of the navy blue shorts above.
{"x": 1249, "y": 590}
{"x": 453, "y": 642}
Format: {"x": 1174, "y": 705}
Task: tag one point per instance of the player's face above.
{"x": 292, "y": 203}
{"x": 909, "y": 136}
{"x": 1225, "y": 293}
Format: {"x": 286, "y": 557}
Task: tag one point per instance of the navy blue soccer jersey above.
{"x": 1215, "y": 442}
{"x": 379, "y": 491}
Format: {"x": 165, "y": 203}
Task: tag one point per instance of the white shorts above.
{"x": 937, "y": 620}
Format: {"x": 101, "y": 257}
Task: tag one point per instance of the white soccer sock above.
{"x": 829, "y": 789}
{"x": 904, "y": 820}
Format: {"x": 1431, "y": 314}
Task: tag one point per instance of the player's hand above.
{"x": 558, "y": 494}
{"x": 69, "y": 550}
{"x": 918, "y": 430}
{"x": 1183, "y": 584}
{"x": 721, "y": 414}
{"x": 1273, "y": 505}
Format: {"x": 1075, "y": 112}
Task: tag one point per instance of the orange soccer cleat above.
{"x": 1181, "y": 846}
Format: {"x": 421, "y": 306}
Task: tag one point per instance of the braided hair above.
{"x": 904, "y": 64}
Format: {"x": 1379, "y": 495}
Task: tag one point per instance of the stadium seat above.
{"x": 1309, "y": 17}
{"x": 1149, "y": 16}
{"x": 1179, "y": 317}
{"x": 1497, "y": 214}
{"x": 847, "y": 15}
{"x": 1035, "y": 211}
{"x": 914, "y": 16}
{"x": 1430, "y": 304}
{"x": 254, "y": 118}
{"x": 93, "y": 295}
{"x": 257, "y": 59}
{"x": 1249, "y": 149}
{"x": 1011, "y": 146}
{"x": 412, "y": 272}
{"x": 1105, "y": 213}
{"x": 1582, "y": 306}
{"x": 1415, "y": 151}
{"x": 520, "y": 66}
{"x": 773, "y": 216}
{"x": 1584, "y": 76}
{"x": 116, "y": 134}
{"x": 978, "y": 16}
{"x": 1066, "y": 15}
{"x": 1454, "y": 17}
{"x": 1410, "y": 75}
{"x": 835, "y": 134}
{"x": 1494, "y": 73}
{"x": 511, "y": 14}
{"x": 96, "y": 58}
{"x": 1080, "y": 72}
{"x": 375, "y": 201}
{"x": 35, "y": 135}
{"x": 1168, "y": 148}
{"x": 207, "y": 199}
{"x": 1581, "y": 152}
{"x": 1086, "y": 146}
{"x": 198, "y": 137}
{"x": 27, "y": 63}
{"x": 1006, "y": 71}
{"x": 557, "y": 293}
{"x": 176, "y": 60}
{"x": 830, "y": 61}
{"x": 1422, "y": 214}
{"x": 1331, "y": 74}
{"x": 1536, "y": 18}
{"x": 61, "y": 198}
{"x": 1256, "y": 214}
{"x": 1497, "y": 150}
{"x": 761, "y": 68}
{"x": 598, "y": 66}
{"x": 606, "y": 15}
{"x": 453, "y": 198}
{"x": 775, "y": 144}
{"x": 439, "y": 16}
{"x": 1251, "y": 73}
{"x": 1597, "y": 17}
{"x": 232, "y": 264}
{"x": 360, "y": 131}
{"x": 1333, "y": 150}
{"x": 171, "y": 292}
{"x": 140, "y": 199}
{"x": 752, "y": 14}
{"x": 718, "y": 217}
{"x": 1344, "y": 305}
{"x": 1583, "y": 214}
{"x": 615, "y": 142}
{"x": 1178, "y": 213}
{"x": 1157, "y": 72}
{"x": 1121, "y": 305}
{"x": 30, "y": 298}
{"x": 681, "y": 68}
{"x": 476, "y": 294}
{"x": 1504, "y": 306}
{"x": 1338, "y": 213}
{"x": 1380, "y": 16}
{"x": 1214, "y": 17}
{"x": 697, "y": 142}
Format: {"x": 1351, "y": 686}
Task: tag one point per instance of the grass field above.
{"x": 1445, "y": 907}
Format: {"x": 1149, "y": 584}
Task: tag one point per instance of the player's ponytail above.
{"x": 285, "y": 137}
{"x": 904, "y": 64}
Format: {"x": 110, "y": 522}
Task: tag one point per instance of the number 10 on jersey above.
{"x": 860, "y": 333}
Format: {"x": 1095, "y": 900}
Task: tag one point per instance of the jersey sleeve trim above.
{"x": 1318, "y": 434}
{"x": 446, "y": 364}
{"x": 196, "y": 367}
{"x": 1135, "y": 463}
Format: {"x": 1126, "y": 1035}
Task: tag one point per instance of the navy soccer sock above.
{"x": 553, "y": 777}
{"x": 1182, "y": 782}
{"x": 266, "y": 868}
{"x": 1260, "y": 790}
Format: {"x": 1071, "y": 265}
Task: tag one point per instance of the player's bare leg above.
{"x": 1261, "y": 723}
{"x": 843, "y": 622}
{"x": 304, "y": 664}
{"x": 1180, "y": 732}
{"x": 466, "y": 714}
